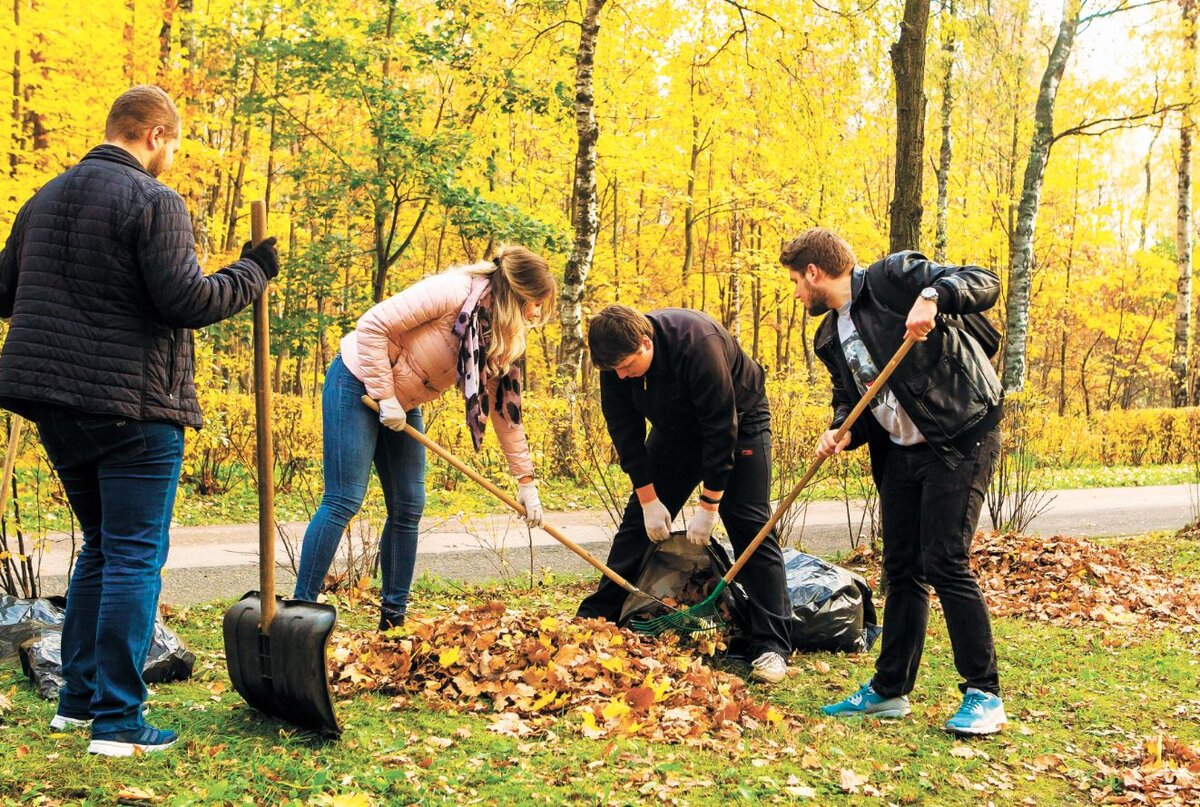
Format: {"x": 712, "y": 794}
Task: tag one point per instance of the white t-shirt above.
{"x": 884, "y": 406}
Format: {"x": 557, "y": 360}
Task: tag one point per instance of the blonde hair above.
{"x": 517, "y": 276}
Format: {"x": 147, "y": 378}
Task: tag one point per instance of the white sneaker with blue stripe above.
{"x": 981, "y": 713}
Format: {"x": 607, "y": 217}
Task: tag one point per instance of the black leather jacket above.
{"x": 946, "y": 384}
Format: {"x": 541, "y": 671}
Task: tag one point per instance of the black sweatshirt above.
{"x": 700, "y": 386}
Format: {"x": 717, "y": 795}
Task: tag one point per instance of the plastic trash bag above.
{"x": 39, "y": 624}
{"x": 831, "y": 606}
{"x": 682, "y": 573}
{"x": 21, "y": 620}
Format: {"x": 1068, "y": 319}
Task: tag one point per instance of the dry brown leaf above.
{"x": 851, "y": 781}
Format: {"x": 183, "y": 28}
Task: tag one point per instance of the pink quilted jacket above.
{"x": 405, "y": 348}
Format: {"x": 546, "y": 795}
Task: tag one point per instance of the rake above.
{"x": 705, "y": 617}
{"x": 555, "y": 533}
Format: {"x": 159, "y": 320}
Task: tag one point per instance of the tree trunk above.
{"x": 908, "y": 67}
{"x": 586, "y": 219}
{"x": 17, "y": 145}
{"x": 1021, "y": 241}
{"x": 1181, "y": 349}
{"x": 164, "y": 39}
{"x": 943, "y": 172}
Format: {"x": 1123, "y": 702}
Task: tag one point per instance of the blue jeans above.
{"x": 353, "y": 438}
{"x": 120, "y": 477}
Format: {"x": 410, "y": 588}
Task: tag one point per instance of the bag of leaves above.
{"x": 22, "y": 620}
{"x": 680, "y": 574}
{"x": 831, "y": 606}
{"x": 41, "y": 653}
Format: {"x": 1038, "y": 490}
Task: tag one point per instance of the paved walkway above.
{"x": 210, "y": 562}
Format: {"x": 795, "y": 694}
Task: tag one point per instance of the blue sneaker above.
{"x": 980, "y": 713}
{"x": 145, "y": 740}
{"x": 866, "y": 702}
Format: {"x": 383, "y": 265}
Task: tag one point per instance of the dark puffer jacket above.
{"x": 101, "y": 280}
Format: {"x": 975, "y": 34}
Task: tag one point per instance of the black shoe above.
{"x": 389, "y": 619}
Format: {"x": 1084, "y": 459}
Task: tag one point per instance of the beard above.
{"x": 158, "y": 164}
{"x": 818, "y": 302}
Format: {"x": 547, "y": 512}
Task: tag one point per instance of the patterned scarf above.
{"x": 474, "y": 327}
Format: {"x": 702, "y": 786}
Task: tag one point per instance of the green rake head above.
{"x": 704, "y": 617}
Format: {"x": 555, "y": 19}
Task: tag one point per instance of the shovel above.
{"x": 275, "y": 648}
{"x": 705, "y": 617}
{"x": 555, "y": 533}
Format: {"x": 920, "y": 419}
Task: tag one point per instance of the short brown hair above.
{"x": 615, "y": 333}
{"x": 824, "y": 248}
{"x": 138, "y": 109}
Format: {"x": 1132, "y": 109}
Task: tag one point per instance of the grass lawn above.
{"x": 1073, "y": 697}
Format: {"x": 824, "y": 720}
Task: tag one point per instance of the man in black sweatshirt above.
{"x": 705, "y": 401}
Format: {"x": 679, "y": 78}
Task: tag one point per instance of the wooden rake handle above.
{"x": 788, "y": 500}
{"x": 503, "y": 496}
{"x": 265, "y": 454}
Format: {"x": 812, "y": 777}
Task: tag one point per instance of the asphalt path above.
{"x": 207, "y": 563}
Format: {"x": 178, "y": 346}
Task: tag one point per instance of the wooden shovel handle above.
{"x": 262, "y": 421}
{"x": 10, "y": 459}
{"x": 858, "y": 409}
{"x": 503, "y": 496}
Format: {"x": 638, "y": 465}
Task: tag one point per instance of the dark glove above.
{"x": 265, "y": 255}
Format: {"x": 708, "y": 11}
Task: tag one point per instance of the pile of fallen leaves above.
{"x": 1071, "y": 581}
{"x": 1165, "y": 771}
{"x": 532, "y": 669}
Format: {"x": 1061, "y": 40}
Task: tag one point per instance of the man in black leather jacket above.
{"x": 934, "y": 437}
{"x": 100, "y": 279}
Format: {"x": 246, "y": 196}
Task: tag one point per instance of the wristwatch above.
{"x": 929, "y": 293}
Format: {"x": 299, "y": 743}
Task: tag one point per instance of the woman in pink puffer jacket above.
{"x": 465, "y": 326}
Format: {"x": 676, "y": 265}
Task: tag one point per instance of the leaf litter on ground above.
{"x": 1071, "y": 581}
{"x": 1163, "y": 771}
{"x": 531, "y": 670}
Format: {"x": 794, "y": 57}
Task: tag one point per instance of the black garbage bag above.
{"x": 832, "y": 607}
{"x": 681, "y": 572}
{"x": 21, "y": 620}
{"x": 40, "y": 649}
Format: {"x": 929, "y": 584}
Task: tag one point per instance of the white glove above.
{"x": 391, "y": 414}
{"x": 527, "y": 497}
{"x": 658, "y": 520}
{"x": 701, "y": 526}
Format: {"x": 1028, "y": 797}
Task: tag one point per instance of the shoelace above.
{"x": 973, "y": 703}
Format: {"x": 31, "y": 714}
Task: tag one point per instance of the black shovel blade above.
{"x": 283, "y": 674}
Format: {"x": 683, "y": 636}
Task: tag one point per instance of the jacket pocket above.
{"x": 948, "y": 397}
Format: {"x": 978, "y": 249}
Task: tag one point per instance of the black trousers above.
{"x": 745, "y": 507}
{"x": 929, "y": 518}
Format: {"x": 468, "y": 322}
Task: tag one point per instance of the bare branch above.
{"x": 1113, "y": 124}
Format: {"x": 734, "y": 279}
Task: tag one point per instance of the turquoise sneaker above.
{"x": 866, "y": 702}
{"x": 980, "y": 713}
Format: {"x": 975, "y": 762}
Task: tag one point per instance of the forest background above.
{"x": 658, "y": 152}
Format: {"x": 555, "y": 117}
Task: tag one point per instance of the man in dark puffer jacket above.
{"x": 101, "y": 281}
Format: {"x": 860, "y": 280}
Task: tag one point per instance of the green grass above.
{"x": 1069, "y": 693}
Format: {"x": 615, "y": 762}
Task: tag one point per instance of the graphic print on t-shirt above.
{"x": 884, "y": 406}
{"x": 864, "y": 371}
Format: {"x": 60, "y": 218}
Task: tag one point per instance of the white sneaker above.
{"x": 60, "y": 722}
{"x": 769, "y": 667}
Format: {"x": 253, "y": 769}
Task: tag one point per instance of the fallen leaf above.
{"x": 851, "y": 781}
